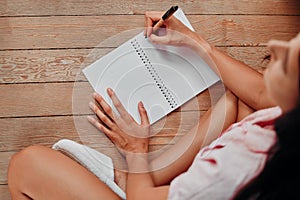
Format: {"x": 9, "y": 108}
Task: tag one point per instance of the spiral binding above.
{"x": 160, "y": 84}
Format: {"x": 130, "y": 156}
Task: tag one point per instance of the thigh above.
{"x": 43, "y": 173}
{"x": 229, "y": 109}
{"x": 210, "y": 126}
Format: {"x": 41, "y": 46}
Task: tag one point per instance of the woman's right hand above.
{"x": 177, "y": 34}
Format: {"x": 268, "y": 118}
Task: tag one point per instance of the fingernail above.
{"x": 94, "y": 94}
{"x": 109, "y": 91}
{"x": 141, "y": 104}
{"x": 91, "y": 104}
{"x": 89, "y": 118}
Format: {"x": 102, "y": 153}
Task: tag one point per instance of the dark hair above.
{"x": 280, "y": 177}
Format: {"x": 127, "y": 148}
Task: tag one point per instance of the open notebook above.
{"x": 162, "y": 77}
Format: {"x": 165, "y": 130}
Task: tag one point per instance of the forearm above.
{"x": 138, "y": 169}
{"x": 242, "y": 80}
{"x": 238, "y": 77}
{"x": 139, "y": 181}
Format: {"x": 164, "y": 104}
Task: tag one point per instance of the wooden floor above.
{"x": 45, "y": 44}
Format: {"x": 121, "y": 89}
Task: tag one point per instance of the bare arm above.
{"x": 143, "y": 184}
{"x": 210, "y": 126}
{"x": 132, "y": 140}
{"x": 246, "y": 83}
{"x": 140, "y": 184}
{"x": 227, "y": 110}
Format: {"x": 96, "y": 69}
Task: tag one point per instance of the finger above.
{"x": 105, "y": 106}
{"x": 157, "y": 26}
{"x": 149, "y": 30}
{"x": 143, "y": 114}
{"x": 150, "y": 18}
{"x": 159, "y": 39}
{"x": 148, "y": 25}
{"x": 117, "y": 103}
{"x": 104, "y": 118}
{"x": 98, "y": 125}
{"x": 115, "y": 138}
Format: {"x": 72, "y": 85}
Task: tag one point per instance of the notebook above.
{"x": 163, "y": 77}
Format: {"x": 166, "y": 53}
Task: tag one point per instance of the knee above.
{"x": 20, "y": 168}
{"x": 21, "y": 161}
{"x": 26, "y": 155}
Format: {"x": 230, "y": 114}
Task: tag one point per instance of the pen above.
{"x": 165, "y": 17}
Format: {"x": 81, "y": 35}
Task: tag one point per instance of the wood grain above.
{"x": 46, "y": 65}
{"x": 47, "y": 99}
{"x": 63, "y": 65}
{"x": 104, "y": 7}
{"x": 91, "y": 31}
{"x": 4, "y": 192}
{"x": 4, "y": 161}
{"x": 18, "y": 133}
{"x": 45, "y": 44}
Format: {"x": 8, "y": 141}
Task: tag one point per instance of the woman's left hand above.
{"x": 123, "y": 130}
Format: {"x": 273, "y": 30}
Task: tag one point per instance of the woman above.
{"x": 213, "y": 172}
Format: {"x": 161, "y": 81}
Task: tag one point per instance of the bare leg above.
{"x": 39, "y": 172}
{"x": 42, "y": 173}
{"x": 229, "y": 109}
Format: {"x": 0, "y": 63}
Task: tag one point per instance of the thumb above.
{"x": 143, "y": 114}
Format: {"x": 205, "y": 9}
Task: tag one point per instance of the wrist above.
{"x": 137, "y": 162}
{"x": 199, "y": 45}
{"x": 132, "y": 157}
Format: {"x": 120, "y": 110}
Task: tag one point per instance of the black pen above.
{"x": 165, "y": 17}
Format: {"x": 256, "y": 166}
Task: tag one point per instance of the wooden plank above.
{"x": 21, "y": 100}
{"x": 112, "y": 152}
{"x": 91, "y": 31}
{"x": 5, "y": 158}
{"x": 65, "y": 65}
{"x": 42, "y": 44}
{"x": 18, "y": 133}
{"x": 252, "y": 56}
{"x": 4, "y": 161}
{"x": 4, "y": 193}
{"x": 38, "y": 99}
{"x": 96, "y": 7}
{"x": 46, "y": 65}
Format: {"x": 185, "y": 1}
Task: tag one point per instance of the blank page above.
{"x": 162, "y": 77}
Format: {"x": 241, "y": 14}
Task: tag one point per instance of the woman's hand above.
{"x": 123, "y": 130}
{"x": 177, "y": 34}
